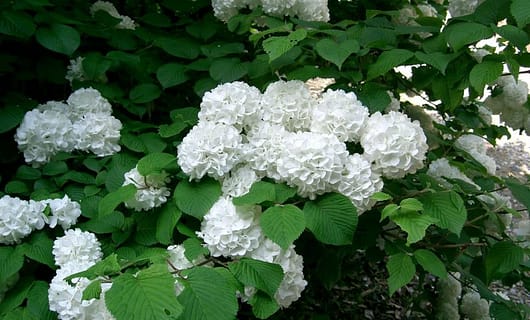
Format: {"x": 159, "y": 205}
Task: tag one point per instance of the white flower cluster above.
{"x": 510, "y": 103}
{"x": 521, "y": 232}
{"x": 441, "y": 168}
{"x": 458, "y": 8}
{"x": 75, "y": 70}
{"x": 310, "y": 10}
{"x": 83, "y": 123}
{"x": 474, "y": 307}
{"x": 125, "y": 23}
{"x": 74, "y": 252}
{"x": 151, "y": 190}
{"x": 476, "y": 147}
{"x": 18, "y": 218}
{"x": 289, "y": 136}
{"x": 449, "y": 291}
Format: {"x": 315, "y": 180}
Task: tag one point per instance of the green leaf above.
{"x": 381, "y": 196}
{"x": 93, "y": 290}
{"x": 95, "y": 66}
{"x": 283, "y": 224}
{"x": 207, "y": 296}
{"x": 262, "y": 275}
{"x": 332, "y": 218}
{"x": 166, "y": 223}
{"x": 150, "y": 295}
{"x": 484, "y": 73}
{"x": 228, "y": 69}
{"x": 171, "y": 74}
{"x": 502, "y": 258}
{"x": 27, "y": 173}
{"x": 17, "y": 294}
{"x": 387, "y": 61}
{"x": 275, "y": 47}
{"x": 436, "y": 59}
{"x": 115, "y": 198}
{"x": 54, "y": 168}
{"x": 16, "y": 187}
{"x": 521, "y": 192}
{"x": 11, "y": 261}
{"x": 194, "y": 249}
{"x": 283, "y": 192}
{"x": 170, "y": 130}
{"x": 37, "y": 303}
{"x": 16, "y": 24}
{"x": 411, "y": 204}
{"x": 414, "y": 224}
{"x": 401, "y": 270}
{"x": 105, "y": 267}
{"x": 460, "y": 34}
{"x": 179, "y": 47}
{"x": 260, "y": 191}
{"x": 39, "y": 248}
{"x": 10, "y": 117}
{"x": 430, "y": 262}
{"x": 263, "y": 306}
{"x": 448, "y": 208}
{"x": 196, "y": 198}
{"x": 59, "y": 38}
{"x": 520, "y": 10}
{"x": 389, "y": 210}
{"x": 335, "y": 52}
{"x": 516, "y": 36}
{"x": 374, "y": 97}
{"x": 152, "y": 141}
{"x": 144, "y": 93}
{"x": 156, "y": 162}
{"x": 221, "y": 49}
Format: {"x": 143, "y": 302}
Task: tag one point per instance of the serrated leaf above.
{"x": 414, "y": 224}
{"x": 448, "y": 208}
{"x": 374, "y": 97}
{"x": 388, "y": 211}
{"x": 283, "y": 192}
{"x": 150, "y": 295}
{"x": 179, "y": 47}
{"x": 401, "y": 270}
{"x": 381, "y": 196}
{"x": 411, "y": 204}
{"x": 461, "y": 34}
{"x": 335, "y": 52}
{"x": 262, "y": 275}
{"x": 520, "y": 191}
{"x": 228, "y": 69}
{"x": 430, "y": 262}
{"x": 95, "y": 66}
{"x": 113, "y": 199}
{"x": 520, "y": 10}
{"x": 516, "y": 36}
{"x": 207, "y": 296}
{"x": 193, "y": 249}
{"x": 145, "y": 92}
{"x": 39, "y": 248}
{"x": 37, "y": 303}
{"x": 260, "y": 191}
{"x": 93, "y": 290}
{"x": 16, "y": 23}
{"x": 196, "y": 198}
{"x": 166, "y": 223}
{"x": 387, "y": 61}
{"x": 27, "y": 173}
{"x": 17, "y": 294}
{"x": 11, "y": 261}
{"x": 502, "y": 258}
{"x": 59, "y": 38}
{"x": 276, "y": 47}
{"x": 54, "y": 168}
{"x": 156, "y": 162}
{"x": 10, "y": 117}
{"x": 153, "y": 142}
{"x": 436, "y": 59}
{"x": 105, "y": 267}
{"x": 171, "y": 74}
{"x": 332, "y": 218}
{"x": 484, "y": 73}
{"x": 283, "y": 224}
{"x": 263, "y": 306}
{"x": 170, "y": 130}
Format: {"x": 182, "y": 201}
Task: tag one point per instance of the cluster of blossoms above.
{"x": 74, "y": 252}
{"x": 125, "y": 23}
{"x": 151, "y": 190}
{"x": 458, "y": 8}
{"x": 477, "y": 148}
{"x": 449, "y": 291}
{"x": 18, "y": 218}
{"x": 510, "y": 103}
{"x": 83, "y": 123}
{"x": 310, "y": 10}
{"x": 287, "y": 135}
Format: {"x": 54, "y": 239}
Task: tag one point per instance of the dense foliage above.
{"x": 165, "y": 160}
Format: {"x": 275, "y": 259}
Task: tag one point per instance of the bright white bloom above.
{"x": 210, "y": 149}
{"x": 509, "y": 104}
{"x": 66, "y": 299}
{"x": 441, "y": 168}
{"x": 42, "y": 134}
{"x": 288, "y": 103}
{"x": 277, "y": 7}
{"x": 76, "y": 247}
{"x": 458, "y": 8}
{"x": 359, "y": 183}
{"x": 75, "y": 70}
{"x": 394, "y": 144}
{"x": 18, "y": 218}
{"x": 341, "y": 114}
{"x": 64, "y": 212}
{"x": 108, "y": 7}
{"x": 235, "y": 103}
{"x": 311, "y": 10}
{"x": 474, "y": 307}
{"x": 312, "y": 162}
{"x": 477, "y": 148}
{"x": 231, "y": 231}
{"x": 263, "y": 149}
{"x": 226, "y": 9}
{"x": 87, "y": 100}
{"x": 151, "y": 190}
{"x": 292, "y": 264}
{"x": 98, "y": 133}
{"x": 449, "y": 291}
{"x": 239, "y": 181}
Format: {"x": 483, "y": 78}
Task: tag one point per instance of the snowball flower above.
{"x": 226, "y": 9}
{"x": 311, "y": 10}
{"x": 476, "y": 147}
{"x": 87, "y": 100}
{"x": 210, "y": 149}
{"x": 459, "y": 8}
{"x": 359, "y": 183}
{"x": 108, "y": 7}
{"x": 151, "y": 190}
{"x": 76, "y": 247}
{"x": 63, "y": 212}
{"x": 98, "y": 133}
{"x": 340, "y": 114}
{"x": 288, "y": 103}
{"x": 235, "y": 103}
{"x": 510, "y": 103}
{"x": 475, "y": 308}
{"x": 277, "y": 7}
{"x": 231, "y": 231}
{"x": 394, "y": 144}
{"x": 449, "y": 290}
{"x": 311, "y": 162}
{"x": 441, "y": 168}
{"x": 239, "y": 181}
{"x": 18, "y": 218}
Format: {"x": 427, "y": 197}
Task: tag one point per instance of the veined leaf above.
{"x": 335, "y": 52}
{"x": 283, "y": 224}
{"x": 156, "y": 162}
{"x": 115, "y": 198}
{"x": 461, "y": 34}
{"x": 387, "y": 61}
{"x": 484, "y": 73}
{"x": 430, "y": 262}
{"x": 262, "y": 275}
{"x": 196, "y": 198}
{"x": 448, "y": 208}
{"x": 401, "y": 269}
